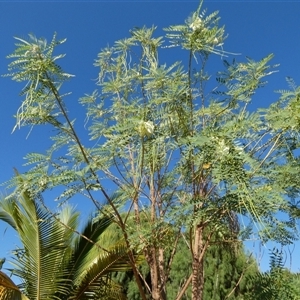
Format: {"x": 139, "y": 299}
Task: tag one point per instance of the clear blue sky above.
{"x": 255, "y": 28}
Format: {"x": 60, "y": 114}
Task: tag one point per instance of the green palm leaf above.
{"x": 40, "y": 261}
{"x": 93, "y": 262}
{"x": 54, "y": 260}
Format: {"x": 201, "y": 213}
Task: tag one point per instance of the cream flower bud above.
{"x": 196, "y": 24}
{"x": 146, "y": 128}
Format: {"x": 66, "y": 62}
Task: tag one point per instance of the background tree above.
{"x": 185, "y": 153}
{"x": 278, "y": 283}
{"x": 229, "y": 273}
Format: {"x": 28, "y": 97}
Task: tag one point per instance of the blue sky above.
{"x": 255, "y": 28}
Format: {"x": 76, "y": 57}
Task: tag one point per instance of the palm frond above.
{"x": 94, "y": 262}
{"x": 8, "y": 290}
{"x": 45, "y": 243}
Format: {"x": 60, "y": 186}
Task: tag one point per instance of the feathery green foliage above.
{"x": 275, "y": 284}
{"x": 180, "y": 150}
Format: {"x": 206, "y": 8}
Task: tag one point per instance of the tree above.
{"x": 278, "y": 283}
{"x": 230, "y": 273}
{"x": 186, "y": 153}
{"x": 57, "y": 261}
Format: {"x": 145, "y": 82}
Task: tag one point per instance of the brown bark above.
{"x": 197, "y": 265}
{"x": 154, "y": 257}
{"x": 154, "y": 253}
{"x": 162, "y": 273}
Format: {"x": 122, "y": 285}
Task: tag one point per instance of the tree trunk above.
{"x": 162, "y": 273}
{"x": 158, "y": 286}
{"x": 197, "y": 265}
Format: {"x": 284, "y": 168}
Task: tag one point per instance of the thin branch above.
{"x": 172, "y": 254}
{"x": 121, "y": 223}
{"x": 268, "y": 154}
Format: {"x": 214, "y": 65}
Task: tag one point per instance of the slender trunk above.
{"x": 162, "y": 273}
{"x": 152, "y": 262}
{"x": 155, "y": 260}
{"x": 154, "y": 254}
{"x": 137, "y": 276}
{"x": 197, "y": 265}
